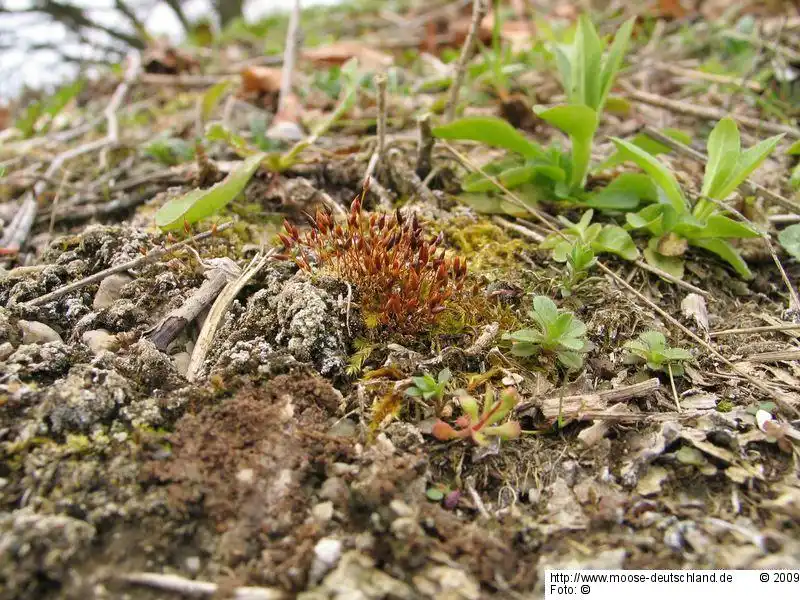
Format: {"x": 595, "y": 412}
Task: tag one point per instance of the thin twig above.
{"x": 706, "y": 112}
{"x": 19, "y": 228}
{"x": 289, "y": 56}
{"x": 479, "y": 9}
{"x": 380, "y": 148}
{"x": 574, "y": 406}
{"x": 710, "y": 77}
{"x": 198, "y": 589}
{"x": 56, "y": 200}
{"x": 218, "y": 311}
{"x": 759, "y": 329}
{"x": 424, "y": 146}
{"x": 176, "y": 321}
{"x": 151, "y": 256}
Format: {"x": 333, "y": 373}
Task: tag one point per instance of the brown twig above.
{"x": 176, "y": 321}
{"x": 198, "y": 589}
{"x": 289, "y": 56}
{"x": 706, "y": 112}
{"x": 424, "y": 146}
{"x": 479, "y": 10}
{"x": 19, "y": 228}
{"x": 776, "y": 356}
{"x": 151, "y": 256}
{"x": 760, "y": 329}
{"x": 218, "y": 311}
{"x": 380, "y": 148}
{"x": 571, "y": 407}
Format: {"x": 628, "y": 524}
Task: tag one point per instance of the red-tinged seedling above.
{"x": 480, "y": 426}
{"x": 404, "y": 278}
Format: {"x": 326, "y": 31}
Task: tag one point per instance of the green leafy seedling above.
{"x": 652, "y": 349}
{"x": 673, "y": 225}
{"x": 790, "y": 240}
{"x": 587, "y": 74}
{"x": 580, "y": 260}
{"x": 554, "y": 331}
{"x": 479, "y": 425}
{"x": 601, "y": 239}
{"x": 38, "y": 116}
{"x": 428, "y": 388}
{"x": 199, "y": 204}
{"x": 170, "y": 150}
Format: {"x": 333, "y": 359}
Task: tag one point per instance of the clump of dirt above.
{"x": 246, "y": 467}
{"x": 291, "y": 314}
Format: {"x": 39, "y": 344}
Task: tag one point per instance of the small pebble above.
{"x": 34, "y": 332}
{"x": 110, "y": 290}
{"x": 181, "y": 360}
{"x": 6, "y": 350}
{"x": 98, "y": 340}
{"x": 323, "y": 512}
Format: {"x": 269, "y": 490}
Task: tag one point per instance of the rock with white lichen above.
{"x": 36, "y": 551}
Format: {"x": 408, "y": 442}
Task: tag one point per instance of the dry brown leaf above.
{"x": 5, "y": 117}
{"x": 163, "y": 58}
{"x": 262, "y": 80}
{"x": 693, "y": 306}
{"x": 339, "y": 53}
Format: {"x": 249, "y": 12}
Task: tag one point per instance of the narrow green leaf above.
{"x": 727, "y": 252}
{"x": 660, "y": 173}
{"x": 719, "y": 226}
{"x": 199, "y": 204}
{"x": 749, "y": 160}
{"x": 724, "y": 147}
{"x": 579, "y": 122}
{"x": 794, "y": 149}
{"x": 213, "y": 96}
{"x": 489, "y": 130}
{"x": 614, "y": 60}
{"x": 589, "y": 57}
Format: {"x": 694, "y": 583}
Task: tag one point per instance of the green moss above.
{"x": 724, "y": 406}
{"x": 487, "y": 248}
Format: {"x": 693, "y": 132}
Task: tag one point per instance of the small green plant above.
{"x": 601, "y": 239}
{"x": 652, "y": 349}
{"x": 170, "y": 151}
{"x": 554, "y": 331}
{"x": 790, "y": 240}
{"x": 673, "y": 225}
{"x": 364, "y": 350}
{"x": 587, "y": 74}
{"x": 480, "y": 425}
{"x": 39, "y": 115}
{"x": 580, "y": 259}
{"x": 428, "y": 388}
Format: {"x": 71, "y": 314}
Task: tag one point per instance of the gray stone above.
{"x": 99, "y": 340}
{"x": 110, "y": 290}
{"x": 34, "y": 332}
{"x": 6, "y": 350}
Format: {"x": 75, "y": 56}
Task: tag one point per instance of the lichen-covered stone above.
{"x": 36, "y": 551}
{"x": 87, "y": 397}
